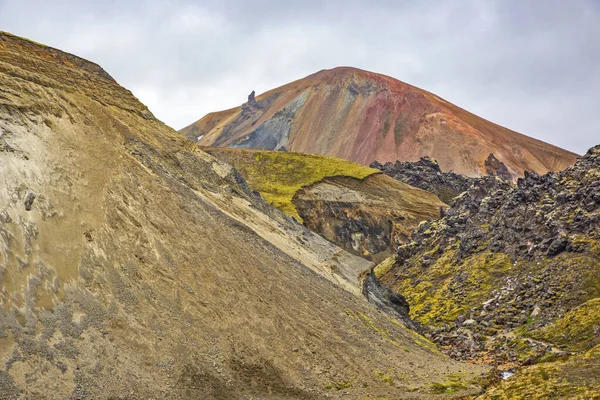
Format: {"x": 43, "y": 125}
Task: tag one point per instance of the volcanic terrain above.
{"x": 357, "y": 208}
{"x": 364, "y": 117}
{"x": 134, "y": 265}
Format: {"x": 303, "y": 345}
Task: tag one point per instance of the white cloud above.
{"x": 529, "y": 65}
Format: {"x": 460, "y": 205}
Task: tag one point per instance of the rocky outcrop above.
{"x": 393, "y": 304}
{"x": 426, "y": 174}
{"x": 504, "y": 262}
{"x": 252, "y": 100}
{"x": 493, "y": 166}
{"x": 363, "y": 116}
{"x": 355, "y": 207}
{"x": 540, "y": 216}
{"x": 368, "y": 217}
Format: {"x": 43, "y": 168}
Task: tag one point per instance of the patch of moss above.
{"x": 385, "y": 376}
{"x": 576, "y": 378}
{"x": 384, "y": 267}
{"x": 384, "y": 333}
{"x": 577, "y": 330}
{"x": 452, "y": 384}
{"x": 444, "y": 290}
{"x": 278, "y": 175}
{"x": 342, "y": 385}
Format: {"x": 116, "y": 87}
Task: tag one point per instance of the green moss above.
{"x": 350, "y": 313}
{"x": 437, "y": 295}
{"x": 278, "y": 175}
{"x": 417, "y": 339}
{"x": 576, "y": 378}
{"x": 384, "y": 267}
{"x": 342, "y": 385}
{"x": 385, "y": 376}
{"x": 452, "y": 384}
{"x": 578, "y": 330}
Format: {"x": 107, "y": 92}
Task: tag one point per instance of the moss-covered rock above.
{"x": 575, "y": 378}
{"x": 510, "y": 275}
{"x": 578, "y": 330}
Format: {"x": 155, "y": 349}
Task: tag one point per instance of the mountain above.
{"x": 364, "y": 117}
{"x": 511, "y": 276}
{"x": 134, "y": 265}
{"x": 357, "y": 208}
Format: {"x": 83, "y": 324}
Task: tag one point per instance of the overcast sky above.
{"x": 532, "y": 66}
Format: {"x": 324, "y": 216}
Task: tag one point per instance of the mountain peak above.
{"x": 363, "y": 116}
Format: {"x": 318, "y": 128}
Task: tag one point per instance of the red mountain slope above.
{"x": 362, "y": 116}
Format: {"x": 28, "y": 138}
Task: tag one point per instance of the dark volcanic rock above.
{"x": 29, "y": 200}
{"x": 427, "y": 175}
{"x": 251, "y": 99}
{"x": 369, "y": 217}
{"x": 505, "y": 257}
{"x": 493, "y": 166}
{"x": 534, "y": 218}
{"x": 394, "y": 304}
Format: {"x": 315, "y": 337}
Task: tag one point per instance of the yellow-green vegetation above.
{"x": 385, "y": 376}
{"x": 384, "y": 333}
{"x": 575, "y": 378}
{"x": 278, "y": 175}
{"x": 452, "y": 384}
{"x": 419, "y": 340}
{"x": 384, "y": 267}
{"x": 433, "y": 294}
{"x": 578, "y": 330}
{"x": 339, "y": 385}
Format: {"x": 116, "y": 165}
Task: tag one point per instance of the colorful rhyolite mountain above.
{"x": 363, "y": 116}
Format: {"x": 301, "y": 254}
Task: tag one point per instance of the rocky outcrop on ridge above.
{"x": 369, "y": 217}
{"x": 426, "y": 174}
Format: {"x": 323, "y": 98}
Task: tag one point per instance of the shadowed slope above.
{"x": 362, "y": 116}
{"x": 134, "y": 265}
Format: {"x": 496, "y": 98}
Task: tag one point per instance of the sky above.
{"x": 530, "y": 65}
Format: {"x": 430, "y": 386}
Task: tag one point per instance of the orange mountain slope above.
{"x": 363, "y": 116}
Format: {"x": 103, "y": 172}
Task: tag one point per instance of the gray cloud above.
{"x": 531, "y": 66}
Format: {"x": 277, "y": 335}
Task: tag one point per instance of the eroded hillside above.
{"x": 134, "y": 265}
{"x": 355, "y": 207}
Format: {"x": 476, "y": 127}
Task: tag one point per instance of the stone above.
{"x": 251, "y": 100}
{"x": 557, "y": 246}
{"x": 29, "y": 198}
